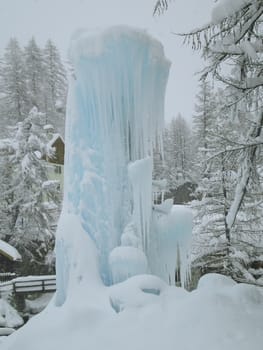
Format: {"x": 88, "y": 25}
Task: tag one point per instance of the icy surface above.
{"x": 168, "y": 250}
{"x": 130, "y": 236}
{"x": 140, "y": 175}
{"x": 114, "y": 116}
{"x": 77, "y": 259}
{"x": 126, "y": 262}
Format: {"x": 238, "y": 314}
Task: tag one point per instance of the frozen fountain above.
{"x": 115, "y": 116}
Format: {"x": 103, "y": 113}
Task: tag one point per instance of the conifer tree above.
{"x": 35, "y": 75}
{"x": 177, "y": 152}
{"x": 31, "y": 190}
{"x": 202, "y": 125}
{"x": 6, "y": 190}
{"x": 55, "y": 86}
{"x": 14, "y": 99}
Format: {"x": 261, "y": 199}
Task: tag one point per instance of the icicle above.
{"x": 170, "y": 242}
{"x": 114, "y": 116}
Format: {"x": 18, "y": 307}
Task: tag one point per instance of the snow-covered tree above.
{"x": 35, "y": 75}
{"x": 202, "y": 124}
{"x": 175, "y": 163}
{"x": 177, "y": 152}
{"x": 236, "y": 41}
{"x": 6, "y": 191}
{"x": 31, "y": 77}
{"x": 29, "y": 193}
{"x": 232, "y": 46}
{"x": 13, "y": 90}
{"x": 55, "y": 86}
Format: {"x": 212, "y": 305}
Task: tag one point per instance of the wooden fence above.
{"x": 29, "y": 285}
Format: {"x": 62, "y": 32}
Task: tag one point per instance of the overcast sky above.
{"x": 58, "y": 19}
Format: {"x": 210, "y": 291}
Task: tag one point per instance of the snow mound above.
{"x": 4, "y": 331}
{"x": 248, "y": 294}
{"x": 146, "y": 313}
{"x": 215, "y": 281}
{"x": 37, "y": 305}
{"x": 136, "y": 292}
{"x": 9, "y": 317}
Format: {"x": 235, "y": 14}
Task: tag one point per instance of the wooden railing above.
{"x": 29, "y": 284}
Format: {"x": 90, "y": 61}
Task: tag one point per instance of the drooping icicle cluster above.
{"x": 115, "y": 115}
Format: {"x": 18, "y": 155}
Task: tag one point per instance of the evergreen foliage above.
{"x": 227, "y": 129}
{"x": 27, "y": 193}
{"x": 33, "y": 89}
{"x": 55, "y": 86}
{"x": 32, "y": 77}
{"x": 13, "y": 89}
{"x": 175, "y": 165}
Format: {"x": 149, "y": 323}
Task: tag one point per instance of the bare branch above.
{"x": 161, "y": 6}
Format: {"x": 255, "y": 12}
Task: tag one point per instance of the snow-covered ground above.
{"x": 9, "y": 317}
{"x": 36, "y": 305}
{"x": 219, "y": 315}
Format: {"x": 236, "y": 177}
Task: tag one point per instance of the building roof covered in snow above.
{"x": 54, "y": 138}
{"x": 9, "y": 251}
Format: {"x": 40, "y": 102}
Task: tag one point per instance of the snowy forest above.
{"x": 222, "y": 156}
{"x": 204, "y": 164}
{"x": 33, "y": 88}
{"x": 154, "y": 230}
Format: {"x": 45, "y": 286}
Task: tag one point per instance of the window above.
{"x": 57, "y": 169}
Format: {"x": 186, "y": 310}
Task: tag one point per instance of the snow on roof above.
{"x": 48, "y": 127}
{"x": 38, "y": 154}
{"x": 8, "y": 251}
{"x": 55, "y": 137}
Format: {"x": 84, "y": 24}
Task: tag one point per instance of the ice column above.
{"x": 114, "y": 116}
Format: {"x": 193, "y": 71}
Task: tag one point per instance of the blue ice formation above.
{"x": 115, "y": 114}
{"x": 169, "y": 249}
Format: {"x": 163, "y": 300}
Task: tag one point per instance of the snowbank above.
{"x": 9, "y": 317}
{"x": 148, "y": 314}
{"x": 37, "y": 305}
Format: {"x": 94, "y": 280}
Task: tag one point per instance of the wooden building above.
{"x": 55, "y": 163}
{"x": 57, "y": 143}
